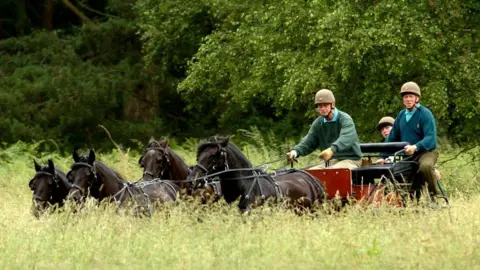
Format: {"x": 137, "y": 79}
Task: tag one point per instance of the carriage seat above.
{"x": 389, "y": 147}
{"x": 402, "y": 172}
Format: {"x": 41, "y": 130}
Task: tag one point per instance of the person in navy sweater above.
{"x": 416, "y": 125}
{"x": 384, "y": 126}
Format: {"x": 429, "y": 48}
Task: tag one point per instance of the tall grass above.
{"x": 186, "y": 236}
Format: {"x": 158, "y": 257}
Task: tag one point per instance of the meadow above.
{"x": 190, "y": 236}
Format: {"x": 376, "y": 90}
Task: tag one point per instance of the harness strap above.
{"x": 315, "y": 182}
{"x": 77, "y": 189}
{"x": 201, "y": 167}
{"x": 251, "y": 188}
{"x": 122, "y": 193}
{"x": 217, "y": 187}
{"x": 278, "y": 190}
{"x": 126, "y": 188}
{"x": 171, "y": 186}
{"x": 262, "y": 195}
{"x": 142, "y": 184}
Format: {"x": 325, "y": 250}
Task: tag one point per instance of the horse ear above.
{"x": 30, "y": 184}
{"x": 91, "y": 157}
{"x": 37, "y": 166}
{"x": 164, "y": 143}
{"x": 51, "y": 166}
{"x": 75, "y": 155}
{"x": 140, "y": 161}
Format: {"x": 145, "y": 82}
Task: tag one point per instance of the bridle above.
{"x": 91, "y": 181}
{"x": 214, "y": 183}
{"x": 165, "y": 162}
{"x": 55, "y": 180}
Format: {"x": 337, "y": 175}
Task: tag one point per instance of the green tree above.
{"x": 280, "y": 53}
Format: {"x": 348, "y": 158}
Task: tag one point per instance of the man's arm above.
{"x": 429, "y": 128}
{"x": 347, "y": 136}
{"x": 309, "y": 143}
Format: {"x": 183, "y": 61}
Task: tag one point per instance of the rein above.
{"x": 255, "y": 175}
{"x": 127, "y": 188}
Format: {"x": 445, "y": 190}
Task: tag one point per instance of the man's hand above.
{"x": 410, "y": 149}
{"x": 291, "y": 156}
{"x": 326, "y": 154}
{"x": 380, "y": 161}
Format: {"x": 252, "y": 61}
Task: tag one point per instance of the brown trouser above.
{"x": 339, "y": 164}
{"x": 426, "y": 172}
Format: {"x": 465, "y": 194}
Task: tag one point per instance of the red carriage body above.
{"x": 369, "y": 182}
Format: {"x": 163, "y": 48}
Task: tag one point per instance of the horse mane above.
{"x": 236, "y": 160}
{"x": 157, "y": 144}
{"x": 153, "y": 144}
{"x": 103, "y": 168}
{"x": 63, "y": 177}
{"x": 201, "y": 148}
{"x": 177, "y": 157}
{"x": 232, "y": 149}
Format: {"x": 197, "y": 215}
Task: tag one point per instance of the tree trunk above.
{"x": 21, "y": 18}
{"x": 79, "y": 13}
{"x": 47, "y": 21}
{"x": 143, "y": 104}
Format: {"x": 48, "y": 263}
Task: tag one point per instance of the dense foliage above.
{"x": 194, "y": 68}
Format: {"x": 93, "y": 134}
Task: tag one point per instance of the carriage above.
{"x": 372, "y": 183}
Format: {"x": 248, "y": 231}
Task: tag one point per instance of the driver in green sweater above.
{"x": 333, "y": 132}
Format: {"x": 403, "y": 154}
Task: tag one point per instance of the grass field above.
{"x": 186, "y": 236}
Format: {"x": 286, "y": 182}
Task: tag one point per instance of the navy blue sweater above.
{"x": 420, "y": 130}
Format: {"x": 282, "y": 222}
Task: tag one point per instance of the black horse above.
{"x": 93, "y": 178}
{"x": 222, "y": 161}
{"x": 49, "y": 187}
{"x": 160, "y": 162}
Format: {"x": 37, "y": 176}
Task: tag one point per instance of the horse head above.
{"x": 156, "y": 159}
{"x": 43, "y": 185}
{"x": 82, "y": 175}
{"x": 212, "y": 158}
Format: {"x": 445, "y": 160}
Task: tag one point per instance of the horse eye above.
{"x": 69, "y": 177}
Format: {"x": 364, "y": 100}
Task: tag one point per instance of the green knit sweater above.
{"x": 341, "y": 135}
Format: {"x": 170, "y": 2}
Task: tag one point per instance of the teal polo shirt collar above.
{"x": 408, "y": 114}
{"x": 335, "y": 116}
